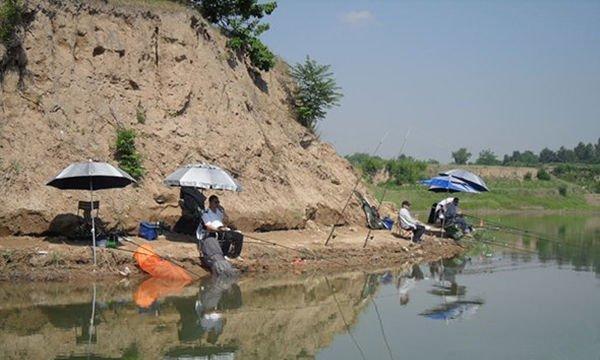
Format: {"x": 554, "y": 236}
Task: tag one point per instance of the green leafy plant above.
{"x": 527, "y": 176}
{"x": 241, "y": 22}
{"x": 11, "y": 16}
{"x": 316, "y": 91}
{"x": 542, "y": 174}
{"x": 562, "y": 190}
{"x": 127, "y": 155}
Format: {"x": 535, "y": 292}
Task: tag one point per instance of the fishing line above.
{"x": 385, "y": 340}
{"x": 358, "y": 180}
{"x": 385, "y": 189}
{"x": 534, "y": 234}
{"x": 362, "y": 354}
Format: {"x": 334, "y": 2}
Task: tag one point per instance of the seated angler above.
{"x": 453, "y": 216}
{"x": 230, "y": 240}
{"x": 407, "y": 222}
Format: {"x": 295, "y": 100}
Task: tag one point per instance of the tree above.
{"x": 548, "y": 156}
{"x": 316, "y": 91}
{"x": 566, "y": 155}
{"x": 461, "y": 156}
{"x": 584, "y": 153}
{"x": 241, "y": 21}
{"x": 487, "y": 157}
{"x": 528, "y": 157}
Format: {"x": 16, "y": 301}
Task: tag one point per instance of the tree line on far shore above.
{"x": 581, "y": 154}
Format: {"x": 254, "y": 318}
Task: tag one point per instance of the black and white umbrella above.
{"x": 203, "y": 176}
{"x": 471, "y": 179}
{"x": 91, "y": 176}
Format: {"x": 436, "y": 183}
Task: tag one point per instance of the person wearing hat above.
{"x": 407, "y": 222}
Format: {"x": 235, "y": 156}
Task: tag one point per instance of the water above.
{"x": 494, "y": 303}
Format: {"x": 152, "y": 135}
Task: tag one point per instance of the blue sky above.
{"x": 502, "y": 75}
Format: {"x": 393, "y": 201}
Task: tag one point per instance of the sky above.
{"x": 499, "y": 75}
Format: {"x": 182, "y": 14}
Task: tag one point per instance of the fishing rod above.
{"x": 385, "y": 189}
{"x": 502, "y": 245}
{"x": 535, "y": 234}
{"x": 358, "y": 180}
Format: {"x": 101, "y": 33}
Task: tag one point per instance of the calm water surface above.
{"x": 497, "y": 302}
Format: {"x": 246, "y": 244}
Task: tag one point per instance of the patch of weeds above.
{"x": 11, "y": 16}
{"x": 140, "y": 114}
{"x": 57, "y": 259}
{"x": 562, "y": 190}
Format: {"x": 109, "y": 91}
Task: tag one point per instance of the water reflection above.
{"x": 303, "y": 318}
{"x": 217, "y": 318}
{"x": 566, "y": 239}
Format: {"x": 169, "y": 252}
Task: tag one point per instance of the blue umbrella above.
{"x": 471, "y": 179}
{"x": 448, "y": 184}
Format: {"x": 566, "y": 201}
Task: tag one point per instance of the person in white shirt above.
{"x": 231, "y": 241}
{"x": 407, "y": 222}
{"x": 441, "y": 207}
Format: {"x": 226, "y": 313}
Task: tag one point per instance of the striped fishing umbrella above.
{"x": 91, "y": 176}
{"x": 448, "y": 184}
{"x": 203, "y": 176}
{"x": 468, "y": 177}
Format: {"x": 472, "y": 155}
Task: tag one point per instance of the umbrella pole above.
{"x": 93, "y": 220}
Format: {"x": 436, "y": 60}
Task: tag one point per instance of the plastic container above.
{"x": 388, "y": 222}
{"x": 149, "y": 230}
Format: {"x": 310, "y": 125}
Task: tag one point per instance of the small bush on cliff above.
{"x": 315, "y": 93}
{"x": 241, "y": 21}
{"x": 126, "y": 154}
{"x": 11, "y": 16}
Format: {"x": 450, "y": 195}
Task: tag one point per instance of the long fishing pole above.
{"x": 534, "y": 234}
{"x": 385, "y": 189}
{"x": 358, "y": 180}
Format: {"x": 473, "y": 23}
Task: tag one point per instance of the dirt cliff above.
{"x": 86, "y": 68}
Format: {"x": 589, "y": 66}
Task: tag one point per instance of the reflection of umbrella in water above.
{"x": 154, "y": 288}
{"x": 462, "y": 309}
{"x": 91, "y": 176}
{"x": 471, "y": 179}
{"x": 452, "y": 290}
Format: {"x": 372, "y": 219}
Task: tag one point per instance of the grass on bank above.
{"x": 504, "y": 195}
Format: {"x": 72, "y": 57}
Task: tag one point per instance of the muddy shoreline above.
{"x": 297, "y": 252}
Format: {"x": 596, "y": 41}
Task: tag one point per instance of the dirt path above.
{"x": 297, "y": 252}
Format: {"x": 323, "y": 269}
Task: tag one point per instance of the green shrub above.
{"x": 527, "y": 176}
{"x": 127, "y": 155}
{"x": 542, "y": 174}
{"x": 11, "y": 16}
{"x": 562, "y": 190}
